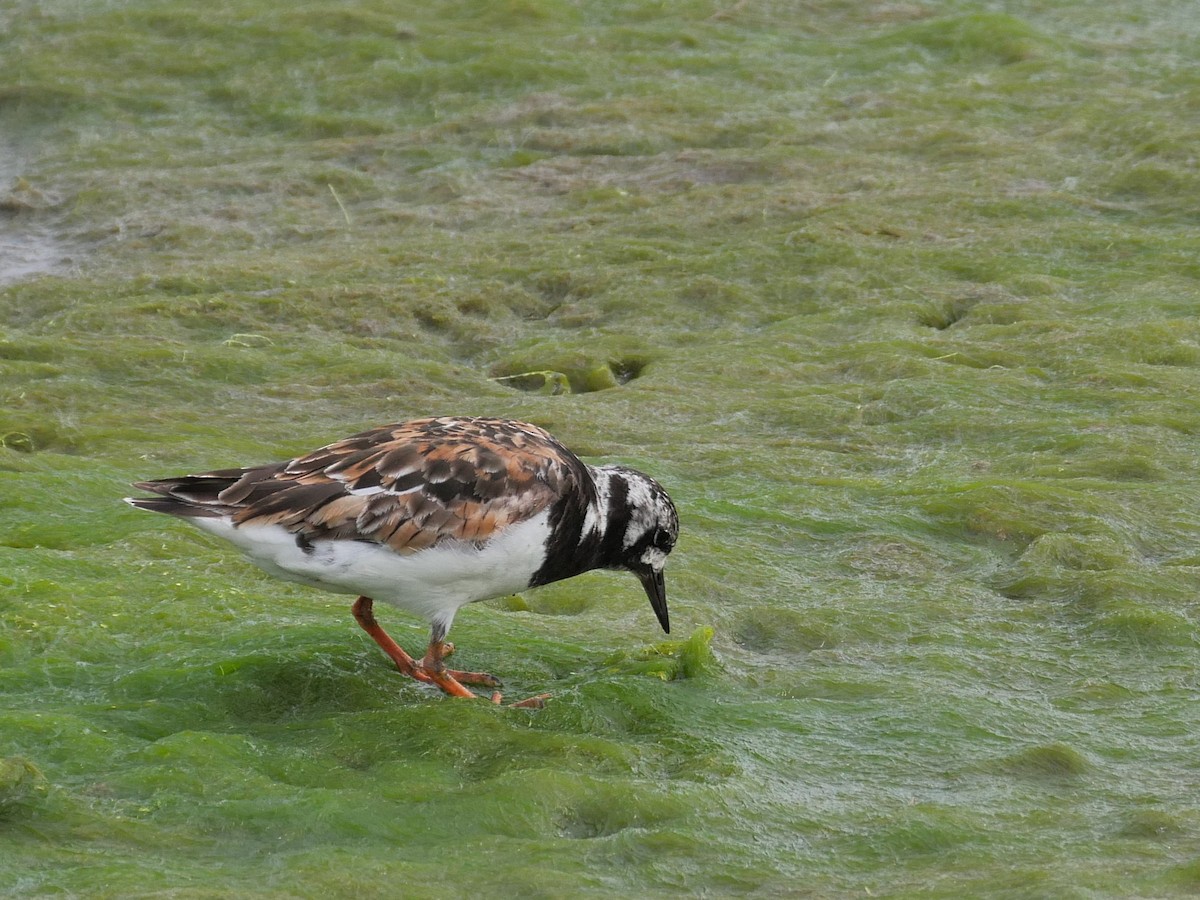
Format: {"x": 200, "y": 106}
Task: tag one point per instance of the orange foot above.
{"x": 537, "y": 702}
{"x": 431, "y": 668}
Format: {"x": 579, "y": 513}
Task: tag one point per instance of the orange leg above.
{"x": 431, "y": 668}
{"x": 365, "y": 616}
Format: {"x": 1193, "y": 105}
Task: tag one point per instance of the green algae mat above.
{"x": 899, "y": 301}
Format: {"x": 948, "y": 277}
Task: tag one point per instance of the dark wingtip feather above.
{"x": 154, "y": 487}
{"x": 171, "y": 506}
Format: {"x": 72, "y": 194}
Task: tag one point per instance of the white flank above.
{"x": 431, "y": 583}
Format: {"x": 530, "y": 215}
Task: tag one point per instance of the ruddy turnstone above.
{"x": 430, "y": 515}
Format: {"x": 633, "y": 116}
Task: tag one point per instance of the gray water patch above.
{"x": 25, "y": 253}
{"x": 27, "y": 245}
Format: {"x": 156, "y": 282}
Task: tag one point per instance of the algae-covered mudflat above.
{"x": 899, "y": 300}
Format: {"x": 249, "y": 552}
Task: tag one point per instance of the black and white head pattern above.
{"x": 641, "y": 525}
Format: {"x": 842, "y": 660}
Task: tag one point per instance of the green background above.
{"x": 897, "y": 299}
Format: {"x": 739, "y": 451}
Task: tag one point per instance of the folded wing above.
{"x": 408, "y": 486}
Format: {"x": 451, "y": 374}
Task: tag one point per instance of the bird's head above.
{"x": 642, "y": 513}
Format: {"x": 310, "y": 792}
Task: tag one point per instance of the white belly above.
{"x": 431, "y": 583}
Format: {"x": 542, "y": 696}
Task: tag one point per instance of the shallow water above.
{"x": 25, "y": 249}
{"x": 898, "y": 302}
{"x": 24, "y": 255}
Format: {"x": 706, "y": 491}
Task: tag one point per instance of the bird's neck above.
{"x": 587, "y": 528}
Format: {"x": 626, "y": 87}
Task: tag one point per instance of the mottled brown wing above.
{"x": 414, "y": 484}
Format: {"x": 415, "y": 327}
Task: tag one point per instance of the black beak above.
{"x": 656, "y": 590}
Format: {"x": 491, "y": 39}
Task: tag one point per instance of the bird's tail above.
{"x": 191, "y": 496}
